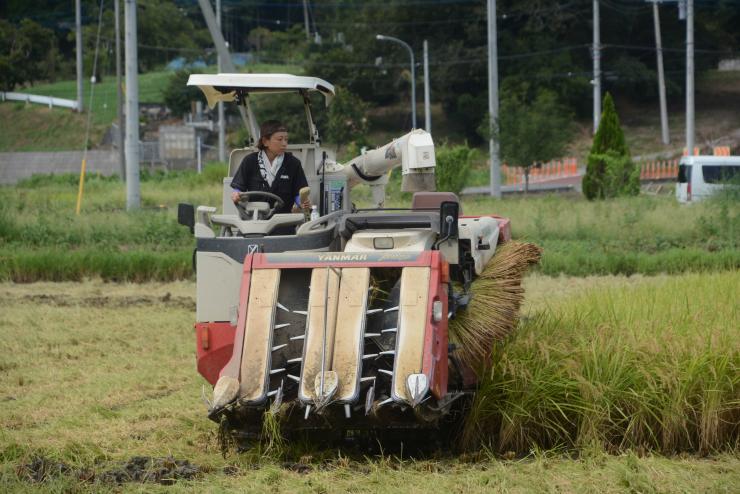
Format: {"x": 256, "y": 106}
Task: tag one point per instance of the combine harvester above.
{"x": 342, "y": 325}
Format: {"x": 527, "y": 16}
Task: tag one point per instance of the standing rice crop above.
{"x": 652, "y": 365}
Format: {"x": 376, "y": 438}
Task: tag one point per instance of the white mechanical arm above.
{"x": 414, "y": 153}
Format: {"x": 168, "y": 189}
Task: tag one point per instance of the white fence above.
{"x": 42, "y": 100}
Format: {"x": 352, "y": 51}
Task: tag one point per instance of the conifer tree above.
{"x": 610, "y": 171}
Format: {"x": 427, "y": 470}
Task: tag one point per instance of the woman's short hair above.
{"x": 268, "y": 128}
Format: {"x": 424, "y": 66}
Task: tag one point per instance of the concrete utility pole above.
{"x": 381, "y": 37}
{"x": 221, "y": 118}
{"x": 427, "y": 104}
{"x": 690, "y": 76}
{"x": 661, "y": 78}
{"x": 597, "y": 67}
{"x": 223, "y": 52}
{"x": 119, "y": 92}
{"x": 493, "y": 102}
{"x": 305, "y": 20}
{"x": 133, "y": 192}
{"x": 78, "y": 46}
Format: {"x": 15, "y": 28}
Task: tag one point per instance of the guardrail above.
{"x": 566, "y": 167}
{"x": 49, "y": 101}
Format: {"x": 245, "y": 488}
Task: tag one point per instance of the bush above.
{"x": 177, "y": 94}
{"x": 453, "y": 167}
{"x": 621, "y": 176}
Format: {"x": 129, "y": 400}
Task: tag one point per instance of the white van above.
{"x": 701, "y": 176}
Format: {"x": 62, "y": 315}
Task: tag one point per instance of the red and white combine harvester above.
{"x": 342, "y": 324}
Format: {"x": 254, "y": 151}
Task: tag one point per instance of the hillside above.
{"x": 35, "y": 128}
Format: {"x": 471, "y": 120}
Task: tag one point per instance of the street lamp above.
{"x": 381, "y": 37}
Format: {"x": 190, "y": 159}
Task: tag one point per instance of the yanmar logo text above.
{"x": 342, "y": 257}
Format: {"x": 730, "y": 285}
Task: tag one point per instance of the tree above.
{"x": 28, "y": 53}
{"x": 178, "y": 95}
{"x": 531, "y": 132}
{"x": 347, "y": 119}
{"x": 610, "y": 171}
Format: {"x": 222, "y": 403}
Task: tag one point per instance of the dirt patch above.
{"x": 61, "y": 300}
{"x": 145, "y": 469}
{"x": 165, "y": 471}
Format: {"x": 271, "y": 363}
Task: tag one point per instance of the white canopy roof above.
{"x": 257, "y": 83}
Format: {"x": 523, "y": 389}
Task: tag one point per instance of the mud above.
{"x": 142, "y": 469}
{"x": 145, "y": 469}
{"x": 60, "y": 300}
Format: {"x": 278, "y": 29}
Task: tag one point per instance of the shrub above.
{"x": 453, "y": 167}
{"x": 178, "y": 95}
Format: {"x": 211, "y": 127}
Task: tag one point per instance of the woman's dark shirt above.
{"x": 289, "y": 179}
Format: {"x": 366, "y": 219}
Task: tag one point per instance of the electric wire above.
{"x": 90, "y": 105}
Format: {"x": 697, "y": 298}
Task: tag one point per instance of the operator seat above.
{"x": 424, "y": 201}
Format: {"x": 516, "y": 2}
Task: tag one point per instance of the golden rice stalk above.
{"x": 496, "y": 296}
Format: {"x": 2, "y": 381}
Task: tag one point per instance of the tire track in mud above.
{"x": 99, "y": 301}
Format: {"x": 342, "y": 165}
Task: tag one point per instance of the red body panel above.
{"x": 434, "y": 363}
{"x": 215, "y": 343}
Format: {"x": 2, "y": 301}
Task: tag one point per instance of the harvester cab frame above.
{"x": 341, "y": 325}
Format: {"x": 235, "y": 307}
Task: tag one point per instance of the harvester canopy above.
{"x": 223, "y": 87}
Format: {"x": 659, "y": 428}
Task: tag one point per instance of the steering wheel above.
{"x": 245, "y": 197}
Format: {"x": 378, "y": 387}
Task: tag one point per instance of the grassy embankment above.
{"x": 37, "y": 128}
{"x": 95, "y": 373}
{"x": 42, "y": 239}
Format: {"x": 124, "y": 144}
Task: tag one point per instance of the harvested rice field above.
{"x": 610, "y": 384}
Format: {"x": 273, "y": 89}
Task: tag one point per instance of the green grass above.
{"x": 38, "y": 128}
{"x": 104, "y": 106}
{"x": 42, "y": 238}
{"x": 95, "y": 373}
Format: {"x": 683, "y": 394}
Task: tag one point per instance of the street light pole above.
{"x": 427, "y": 104}
{"x": 381, "y": 37}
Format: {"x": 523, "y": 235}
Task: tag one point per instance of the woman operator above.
{"x": 271, "y": 169}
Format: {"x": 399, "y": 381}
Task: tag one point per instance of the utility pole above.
{"x": 690, "y": 76}
{"x": 661, "y": 78}
{"x": 133, "y": 193}
{"x": 427, "y": 104}
{"x": 597, "y": 67}
{"x": 221, "y": 118}
{"x": 305, "y": 20}
{"x": 119, "y": 92}
{"x": 78, "y": 46}
{"x": 493, "y": 102}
